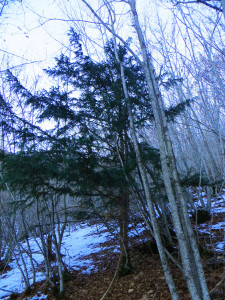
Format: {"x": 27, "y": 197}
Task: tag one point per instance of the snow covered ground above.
{"x": 78, "y": 243}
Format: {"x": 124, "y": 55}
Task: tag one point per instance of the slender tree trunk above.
{"x": 189, "y": 251}
{"x": 125, "y": 266}
{"x": 155, "y": 225}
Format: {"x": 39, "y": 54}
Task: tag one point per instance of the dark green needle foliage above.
{"x": 90, "y": 135}
{"x": 88, "y": 152}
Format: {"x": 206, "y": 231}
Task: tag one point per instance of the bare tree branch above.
{"x": 205, "y": 2}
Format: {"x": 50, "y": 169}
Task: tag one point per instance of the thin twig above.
{"x": 201, "y": 2}
{"x": 217, "y": 285}
{"x": 114, "y": 277}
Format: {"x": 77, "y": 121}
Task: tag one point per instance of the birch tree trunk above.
{"x": 192, "y": 265}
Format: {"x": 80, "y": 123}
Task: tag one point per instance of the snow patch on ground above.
{"x": 12, "y": 281}
{"x": 220, "y": 246}
{"x": 77, "y": 244}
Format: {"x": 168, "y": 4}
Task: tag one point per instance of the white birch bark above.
{"x": 166, "y": 151}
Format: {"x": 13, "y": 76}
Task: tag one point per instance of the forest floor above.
{"x": 147, "y": 280}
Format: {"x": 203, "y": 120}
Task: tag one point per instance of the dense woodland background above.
{"x": 130, "y": 123}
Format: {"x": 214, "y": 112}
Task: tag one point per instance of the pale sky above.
{"x": 25, "y": 33}
{"x": 22, "y": 35}
{"x": 22, "y": 32}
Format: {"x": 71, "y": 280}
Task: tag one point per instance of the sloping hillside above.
{"x": 91, "y": 256}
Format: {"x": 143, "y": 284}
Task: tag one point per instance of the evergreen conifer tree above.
{"x": 88, "y": 152}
